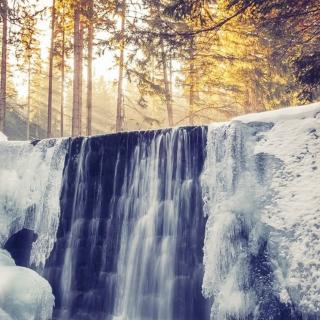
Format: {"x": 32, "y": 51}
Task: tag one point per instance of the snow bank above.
{"x": 294, "y": 212}
{"x": 3, "y": 137}
{"x": 290, "y": 113}
{"x": 31, "y": 179}
{"x": 24, "y": 295}
{"x": 293, "y": 215}
{"x": 262, "y": 176}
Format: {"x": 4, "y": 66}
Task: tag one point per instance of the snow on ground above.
{"x": 3, "y": 137}
{"x": 283, "y": 114}
{"x": 294, "y": 213}
{"x": 24, "y": 295}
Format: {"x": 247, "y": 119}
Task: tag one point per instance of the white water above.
{"x": 73, "y": 237}
{"x": 151, "y": 195}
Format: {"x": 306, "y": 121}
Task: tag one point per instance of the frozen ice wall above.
{"x": 261, "y": 195}
{"x": 230, "y": 192}
{"x": 30, "y": 182}
{"x": 31, "y": 177}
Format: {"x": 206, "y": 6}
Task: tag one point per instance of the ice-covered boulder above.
{"x": 24, "y": 294}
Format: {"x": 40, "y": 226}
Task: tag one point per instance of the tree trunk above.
{"x": 171, "y": 78}
{"x": 89, "y": 76}
{"x": 166, "y": 85}
{"x": 81, "y": 74}
{"x": 29, "y": 97}
{"x": 153, "y": 105}
{"x": 76, "y": 71}
{"x": 53, "y": 18}
{"x": 191, "y": 85}
{"x": 120, "y": 111}
{"x": 62, "y": 77}
{"x": 3, "y": 81}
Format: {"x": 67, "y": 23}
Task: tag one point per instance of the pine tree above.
{"x": 3, "y": 80}
{"x": 53, "y": 19}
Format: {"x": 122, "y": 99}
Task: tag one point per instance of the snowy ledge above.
{"x": 289, "y": 113}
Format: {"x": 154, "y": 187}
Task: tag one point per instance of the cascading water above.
{"x": 152, "y": 193}
{"x": 130, "y": 239}
{"x": 156, "y": 193}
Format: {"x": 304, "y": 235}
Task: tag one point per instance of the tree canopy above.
{"x": 84, "y": 67}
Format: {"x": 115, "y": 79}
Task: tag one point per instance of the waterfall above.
{"x": 157, "y": 183}
{"x": 196, "y": 223}
{"x": 130, "y": 239}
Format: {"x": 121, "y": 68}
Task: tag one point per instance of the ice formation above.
{"x": 24, "y": 295}
{"x": 31, "y": 177}
{"x": 261, "y": 184}
{"x": 230, "y": 193}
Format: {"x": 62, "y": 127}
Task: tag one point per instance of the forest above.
{"x": 83, "y": 67}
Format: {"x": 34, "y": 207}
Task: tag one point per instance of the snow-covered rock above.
{"x": 24, "y": 295}
{"x": 261, "y": 183}
{"x": 284, "y": 114}
{"x": 293, "y": 214}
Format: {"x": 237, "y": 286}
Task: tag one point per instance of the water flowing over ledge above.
{"x": 187, "y": 223}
